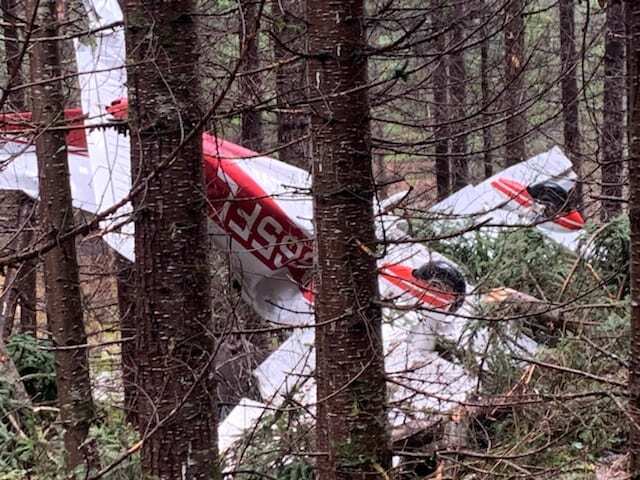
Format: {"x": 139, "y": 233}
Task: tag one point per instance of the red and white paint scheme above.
{"x": 268, "y": 226}
{"x": 519, "y": 199}
{"x": 264, "y": 225}
{"x": 262, "y": 213}
{"x": 260, "y": 207}
{"x": 534, "y": 193}
{"x": 262, "y": 216}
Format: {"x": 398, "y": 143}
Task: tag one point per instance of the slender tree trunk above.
{"x": 12, "y": 48}
{"x": 487, "y": 136}
{"x": 514, "y": 30}
{"x": 24, "y": 285}
{"x": 250, "y": 85}
{"x": 293, "y": 120}
{"x": 8, "y": 302}
{"x": 12, "y": 238}
{"x": 630, "y": 66}
{"x": 174, "y": 343}
{"x": 125, "y": 284}
{"x": 19, "y": 288}
{"x": 440, "y": 100}
{"x": 569, "y": 91}
{"x": 633, "y": 18}
{"x": 28, "y": 298}
{"x": 26, "y": 278}
{"x": 351, "y": 423}
{"x": 19, "y": 283}
{"x": 613, "y": 117}
{"x": 458, "y": 88}
{"x": 61, "y": 278}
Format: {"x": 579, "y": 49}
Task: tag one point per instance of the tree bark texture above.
{"x": 293, "y": 119}
{"x": 440, "y": 102}
{"x": 487, "y": 134}
{"x": 633, "y": 16}
{"x": 516, "y": 127}
{"x": 613, "y": 113}
{"x": 351, "y": 428}
{"x": 17, "y": 217}
{"x": 125, "y": 284}
{"x": 458, "y": 95}
{"x": 27, "y": 295}
{"x": 8, "y": 302}
{"x": 61, "y": 278}
{"x": 11, "y": 14}
{"x": 174, "y": 344}
{"x": 251, "y": 135}
{"x": 630, "y": 67}
{"x": 569, "y": 91}
{"x": 19, "y": 288}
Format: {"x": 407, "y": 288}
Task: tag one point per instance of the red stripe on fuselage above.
{"x": 253, "y": 219}
{"x": 244, "y": 210}
{"x": 249, "y": 214}
{"x": 514, "y": 191}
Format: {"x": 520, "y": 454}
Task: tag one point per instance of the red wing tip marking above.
{"x": 401, "y": 276}
{"x": 571, "y": 221}
{"x": 517, "y": 192}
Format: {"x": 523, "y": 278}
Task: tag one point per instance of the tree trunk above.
{"x": 613, "y": 115}
{"x": 61, "y": 278}
{"x": 440, "y": 100}
{"x": 514, "y": 77}
{"x": 569, "y": 91}
{"x": 19, "y": 288}
{"x": 458, "y": 88}
{"x": 630, "y": 66}
{"x": 351, "y": 422}
{"x": 27, "y": 297}
{"x": 251, "y": 118}
{"x": 8, "y": 302}
{"x": 487, "y": 137}
{"x": 125, "y": 284}
{"x": 12, "y": 52}
{"x": 26, "y": 278}
{"x": 19, "y": 283}
{"x": 174, "y": 345}
{"x": 633, "y": 17}
{"x": 293, "y": 120}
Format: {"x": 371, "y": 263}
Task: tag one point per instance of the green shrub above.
{"x": 35, "y": 365}
{"x": 609, "y": 252}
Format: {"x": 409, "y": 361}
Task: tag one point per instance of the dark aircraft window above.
{"x": 555, "y": 198}
{"x": 445, "y": 277}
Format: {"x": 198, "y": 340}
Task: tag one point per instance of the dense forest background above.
{"x": 118, "y": 370}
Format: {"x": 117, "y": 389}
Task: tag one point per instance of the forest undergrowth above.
{"x": 558, "y": 414}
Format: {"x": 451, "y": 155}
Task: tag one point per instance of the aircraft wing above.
{"x": 102, "y": 77}
{"x": 98, "y": 157}
{"x": 536, "y": 192}
{"x": 19, "y": 164}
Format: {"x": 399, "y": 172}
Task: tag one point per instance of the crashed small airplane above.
{"x": 262, "y": 216}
